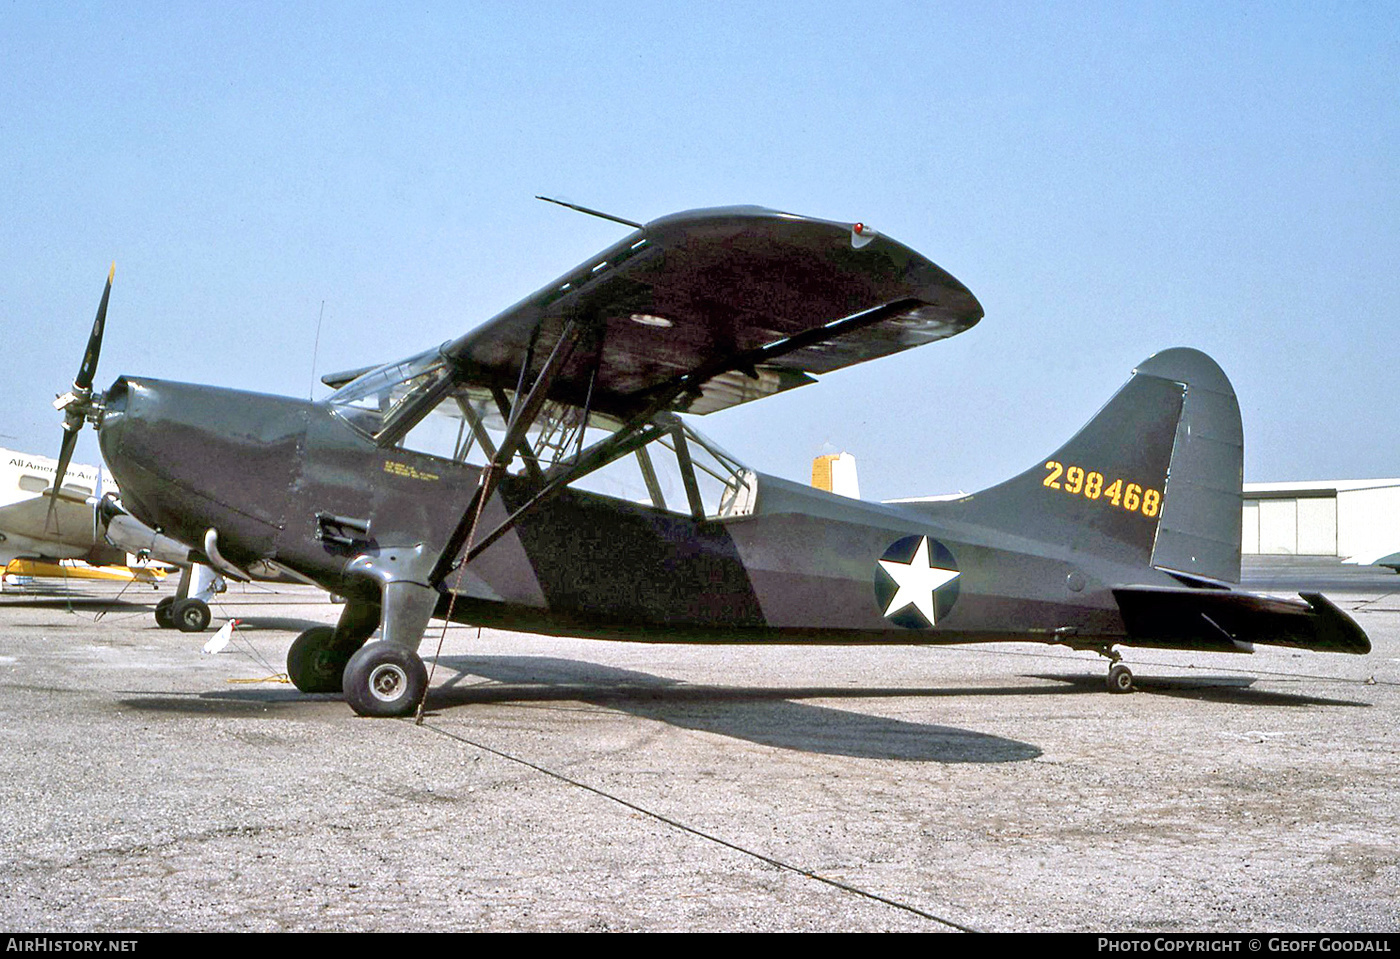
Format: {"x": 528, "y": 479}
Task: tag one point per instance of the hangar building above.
{"x": 1350, "y": 519}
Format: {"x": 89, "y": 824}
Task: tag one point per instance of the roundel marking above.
{"x": 916, "y": 582}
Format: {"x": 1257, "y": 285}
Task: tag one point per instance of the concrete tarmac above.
{"x": 562, "y": 784}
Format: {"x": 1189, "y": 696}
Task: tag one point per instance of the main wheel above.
{"x": 384, "y": 679}
{"x": 314, "y": 664}
{"x": 1120, "y": 679}
{"x": 164, "y": 618}
{"x": 190, "y": 615}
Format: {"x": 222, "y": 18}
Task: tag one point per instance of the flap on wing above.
{"x": 1230, "y": 619}
{"x": 690, "y": 291}
{"x": 732, "y": 388}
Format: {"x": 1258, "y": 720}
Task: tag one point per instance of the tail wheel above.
{"x": 384, "y": 680}
{"x": 1120, "y": 679}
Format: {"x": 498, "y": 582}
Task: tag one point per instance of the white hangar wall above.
{"x": 1352, "y": 519}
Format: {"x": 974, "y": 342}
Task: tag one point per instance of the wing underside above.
{"x": 71, "y": 522}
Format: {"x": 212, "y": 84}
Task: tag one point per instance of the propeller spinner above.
{"x": 78, "y": 403}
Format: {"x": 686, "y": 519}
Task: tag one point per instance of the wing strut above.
{"x": 521, "y": 416}
{"x": 595, "y": 458}
{"x": 645, "y": 426}
{"x": 527, "y": 452}
{"x": 692, "y": 489}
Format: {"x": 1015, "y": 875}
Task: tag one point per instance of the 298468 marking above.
{"x": 1077, "y": 481}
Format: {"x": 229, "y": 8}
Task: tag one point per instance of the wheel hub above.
{"x": 387, "y": 682}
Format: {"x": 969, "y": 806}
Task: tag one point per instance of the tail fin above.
{"x": 836, "y": 473}
{"x": 1155, "y": 478}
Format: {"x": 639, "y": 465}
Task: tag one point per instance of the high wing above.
{"x": 732, "y": 303}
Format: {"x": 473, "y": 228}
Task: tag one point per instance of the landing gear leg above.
{"x": 316, "y": 661}
{"x": 387, "y": 678}
{"x": 1120, "y": 678}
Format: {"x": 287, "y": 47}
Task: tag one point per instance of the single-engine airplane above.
{"x": 535, "y": 474}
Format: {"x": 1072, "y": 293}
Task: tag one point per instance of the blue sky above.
{"x": 1109, "y": 179}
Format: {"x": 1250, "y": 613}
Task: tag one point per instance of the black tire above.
{"x": 164, "y": 618}
{"x": 314, "y": 664}
{"x": 384, "y": 680}
{"x": 1120, "y": 679}
{"x": 190, "y": 615}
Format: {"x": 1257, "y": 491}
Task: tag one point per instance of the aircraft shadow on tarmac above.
{"x": 769, "y": 716}
{"x": 105, "y": 606}
{"x": 1220, "y": 689}
{"x": 57, "y": 600}
{"x": 772, "y": 716}
{"x": 284, "y": 623}
{"x": 765, "y": 715}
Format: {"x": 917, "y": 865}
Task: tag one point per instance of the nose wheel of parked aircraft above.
{"x": 384, "y": 679}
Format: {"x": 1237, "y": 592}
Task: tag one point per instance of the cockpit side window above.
{"x": 419, "y": 405}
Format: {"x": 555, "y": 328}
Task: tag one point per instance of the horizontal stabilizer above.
{"x": 1231, "y": 621}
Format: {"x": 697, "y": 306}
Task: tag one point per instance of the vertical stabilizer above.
{"x": 836, "y": 473}
{"x": 1154, "y": 479}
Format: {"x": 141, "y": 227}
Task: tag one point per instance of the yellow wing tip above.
{"x": 112, "y": 272}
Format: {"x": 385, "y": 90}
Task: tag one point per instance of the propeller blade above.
{"x": 77, "y": 404}
{"x": 88, "y": 370}
{"x": 70, "y": 440}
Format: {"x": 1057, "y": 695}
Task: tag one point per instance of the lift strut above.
{"x": 646, "y": 424}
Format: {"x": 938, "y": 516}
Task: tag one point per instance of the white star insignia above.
{"x": 918, "y": 581}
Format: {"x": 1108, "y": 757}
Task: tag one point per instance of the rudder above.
{"x": 1203, "y": 515}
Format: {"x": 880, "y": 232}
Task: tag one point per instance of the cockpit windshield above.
{"x": 378, "y": 400}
